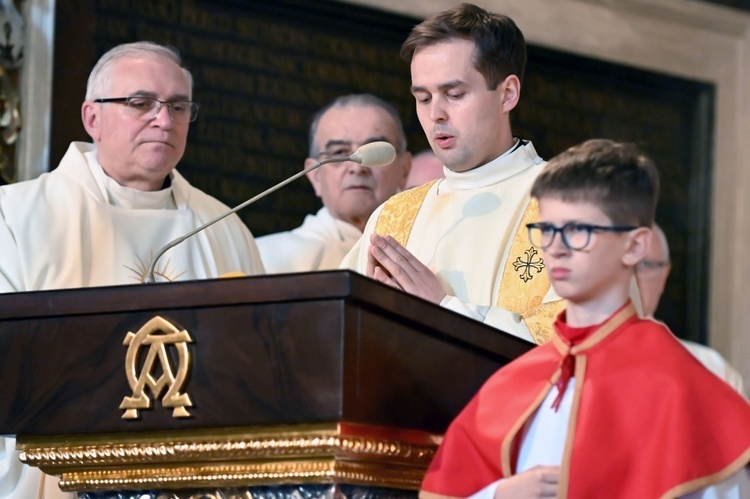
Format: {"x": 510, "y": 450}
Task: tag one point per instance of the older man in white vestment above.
{"x": 460, "y": 241}
{"x": 349, "y": 192}
{"x": 103, "y": 213}
{"x": 651, "y": 275}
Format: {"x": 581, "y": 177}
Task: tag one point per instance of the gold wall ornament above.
{"x": 11, "y": 56}
{"x": 10, "y": 126}
{"x": 12, "y": 36}
{"x": 157, "y": 334}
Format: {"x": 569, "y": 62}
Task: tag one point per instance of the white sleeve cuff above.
{"x": 497, "y": 317}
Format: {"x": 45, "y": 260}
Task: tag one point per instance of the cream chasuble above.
{"x": 320, "y": 243}
{"x": 464, "y": 230}
{"x": 76, "y": 227}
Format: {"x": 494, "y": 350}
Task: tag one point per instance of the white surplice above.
{"x": 320, "y": 243}
{"x": 76, "y": 227}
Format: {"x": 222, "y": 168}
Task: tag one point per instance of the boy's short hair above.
{"x": 617, "y": 177}
{"x": 500, "y": 47}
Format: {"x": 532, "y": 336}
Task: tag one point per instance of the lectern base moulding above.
{"x": 235, "y": 460}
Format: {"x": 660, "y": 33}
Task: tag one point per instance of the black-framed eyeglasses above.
{"x": 146, "y": 108}
{"x": 575, "y": 236}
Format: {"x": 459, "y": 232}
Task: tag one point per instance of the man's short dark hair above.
{"x": 617, "y": 177}
{"x": 500, "y": 48}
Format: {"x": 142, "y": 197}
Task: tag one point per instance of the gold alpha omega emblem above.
{"x": 157, "y": 334}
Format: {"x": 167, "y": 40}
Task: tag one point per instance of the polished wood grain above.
{"x": 286, "y": 349}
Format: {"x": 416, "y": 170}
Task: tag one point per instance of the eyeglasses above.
{"x": 646, "y": 265}
{"x": 575, "y": 236}
{"x": 146, "y": 108}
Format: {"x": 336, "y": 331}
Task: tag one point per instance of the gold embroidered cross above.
{"x": 528, "y": 264}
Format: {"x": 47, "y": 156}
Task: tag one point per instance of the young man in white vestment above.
{"x": 460, "y": 241}
{"x": 349, "y": 191}
{"x": 651, "y": 275}
{"x": 110, "y": 205}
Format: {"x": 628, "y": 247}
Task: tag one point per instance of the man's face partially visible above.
{"x": 136, "y": 150}
{"x": 350, "y": 191}
{"x": 651, "y": 274}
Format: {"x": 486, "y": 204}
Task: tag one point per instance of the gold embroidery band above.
{"x": 399, "y": 212}
{"x": 540, "y": 319}
{"x": 525, "y": 283}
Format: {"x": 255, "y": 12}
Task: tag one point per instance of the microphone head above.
{"x": 374, "y": 154}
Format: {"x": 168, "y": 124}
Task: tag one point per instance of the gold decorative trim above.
{"x": 541, "y": 320}
{"x": 525, "y": 282}
{"x": 400, "y": 211}
{"x": 242, "y": 475}
{"x": 322, "y": 453}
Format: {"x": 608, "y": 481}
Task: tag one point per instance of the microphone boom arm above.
{"x": 150, "y": 279}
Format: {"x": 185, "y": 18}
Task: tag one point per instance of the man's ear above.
{"x": 511, "y": 92}
{"x": 638, "y": 243}
{"x": 313, "y": 175}
{"x": 90, "y": 114}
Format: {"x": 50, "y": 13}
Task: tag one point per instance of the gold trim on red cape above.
{"x": 643, "y": 420}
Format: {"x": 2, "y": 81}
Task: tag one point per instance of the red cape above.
{"x": 648, "y": 419}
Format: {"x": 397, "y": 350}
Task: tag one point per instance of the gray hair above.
{"x": 363, "y": 100}
{"x": 99, "y": 79}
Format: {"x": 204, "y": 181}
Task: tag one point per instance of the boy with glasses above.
{"x": 613, "y": 405}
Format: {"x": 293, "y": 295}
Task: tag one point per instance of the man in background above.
{"x": 349, "y": 191}
{"x": 102, "y": 214}
{"x": 424, "y": 167}
{"x": 651, "y": 274}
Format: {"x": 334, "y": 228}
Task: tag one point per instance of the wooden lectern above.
{"x": 225, "y": 385}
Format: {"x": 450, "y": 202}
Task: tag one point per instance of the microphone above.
{"x": 371, "y": 155}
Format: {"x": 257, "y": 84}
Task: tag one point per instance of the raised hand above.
{"x": 391, "y": 263}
